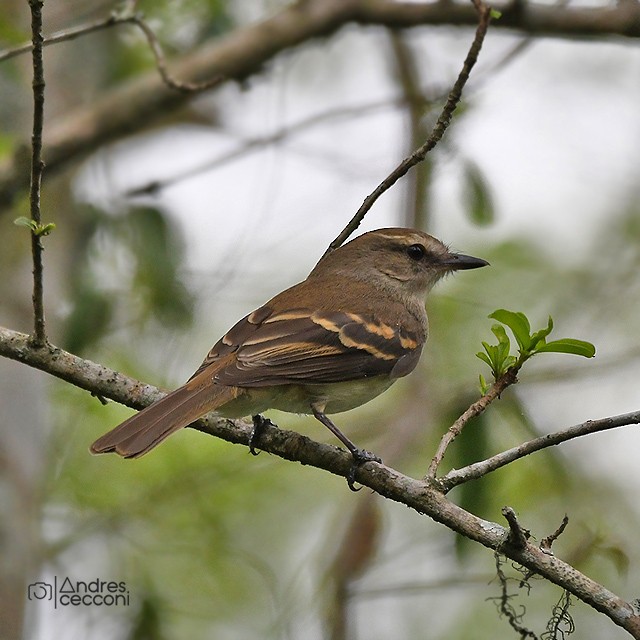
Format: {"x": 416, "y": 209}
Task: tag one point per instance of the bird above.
{"x": 326, "y": 345}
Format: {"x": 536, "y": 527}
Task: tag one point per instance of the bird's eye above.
{"x": 416, "y": 252}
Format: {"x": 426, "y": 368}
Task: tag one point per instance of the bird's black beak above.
{"x": 458, "y": 261}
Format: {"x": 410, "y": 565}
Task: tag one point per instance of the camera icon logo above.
{"x": 40, "y": 591}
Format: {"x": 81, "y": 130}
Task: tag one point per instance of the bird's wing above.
{"x": 312, "y": 347}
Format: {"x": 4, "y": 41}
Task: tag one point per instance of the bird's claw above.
{"x": 360, "y": 456}
{"x": 259, "y": 425}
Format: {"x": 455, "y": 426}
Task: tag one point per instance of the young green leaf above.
{"x": 22, "y": 221}
{"x": 483, "y": 356}
{"x": 498, "y": 356}
{"x": 539, "y": 337}
{"x": 36, "y": 229}
{"x": 569, "y": 345}
{"x": 45, "y": 229}
{"x": 518, "y": 323}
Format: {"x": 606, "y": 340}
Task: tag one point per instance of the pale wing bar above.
{"x": 301, "y": 346}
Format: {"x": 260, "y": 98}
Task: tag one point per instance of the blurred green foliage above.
{"x": 148, "y": 287}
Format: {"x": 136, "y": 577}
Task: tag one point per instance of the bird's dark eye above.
{"x": 416, "y": 252}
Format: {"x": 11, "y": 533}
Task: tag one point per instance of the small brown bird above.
{"x": 326, "y": 345}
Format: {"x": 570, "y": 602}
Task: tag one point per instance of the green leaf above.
{"x": 518, "y": 323}
{"x": 36, "y": 229}
{"x": 22, "y": 221}
{"x": 569, "y": 345}
{"x": 485, "y": 358}
{"x": 495, "y": 14}
{"x": 45, "y": 229}
{"x": 497, "y": 355}
{"x": 539, "y": 336}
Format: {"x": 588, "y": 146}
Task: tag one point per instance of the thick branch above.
{"x": 244, "y": 52}
{"x": 387, "y": 482}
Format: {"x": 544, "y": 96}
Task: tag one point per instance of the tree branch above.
{"x": 506, "y": 380}
{"x": 389, "y": 483}
{"x": 442, "y": 124}
{"x": 37, "y": 166}
{"x": 479, "y": 469}
{"x": 161, "y": 64}
{"x": 69, "y": 34}
{"x": 244, "y": 52}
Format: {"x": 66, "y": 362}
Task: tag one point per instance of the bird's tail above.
{"x": 148, "y": 428}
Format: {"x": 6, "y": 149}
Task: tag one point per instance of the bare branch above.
{"x": 479, "y": 469}
{"x": 125, "y": 17}
{"x": 484, "y": 12}
{"x": 68, "y": 34}
{"x": 389, "y": 483}
{"x": 37, "y": 167}
{"x": 507, "y": 379}
{"x": 545, "y": 543}
{"x": 156, "y": 49}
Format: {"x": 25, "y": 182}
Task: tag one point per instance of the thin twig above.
{"x": 507, "y": 379}
{"x": 125, "y": 17}
{"x": 37, "y": 167}
{"x": 545, "y": 543}
{"x": 156, "y": 49}
{"x": 479, "y": 469}
{"x": 438, "y": 131}
{"x": 69, "y": 34}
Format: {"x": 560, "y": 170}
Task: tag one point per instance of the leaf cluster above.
{"x": 499, "y": 356}
{"x": 37, "y": 228}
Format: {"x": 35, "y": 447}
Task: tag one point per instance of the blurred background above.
{"x": 168, "y": 235}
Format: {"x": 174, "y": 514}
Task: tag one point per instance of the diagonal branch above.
{"x": 505, "y": 380}
{"x": 479, "y": 469}
{"x": 69, "y": 34}
{"x": 389, "y": 483}
{"x": 442, "y": 124}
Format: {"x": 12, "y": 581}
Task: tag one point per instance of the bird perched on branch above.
{"x": 326, "y": 345}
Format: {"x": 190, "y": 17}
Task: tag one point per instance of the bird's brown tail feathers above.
{"x": 148, "y": 428}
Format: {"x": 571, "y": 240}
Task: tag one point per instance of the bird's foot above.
{"x": 259, "y": 425}
{"x": 360, "y": 456}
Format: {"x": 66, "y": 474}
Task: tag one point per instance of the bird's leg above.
{"x": 259, "y": 424}
{"x": 360, "y": 456}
